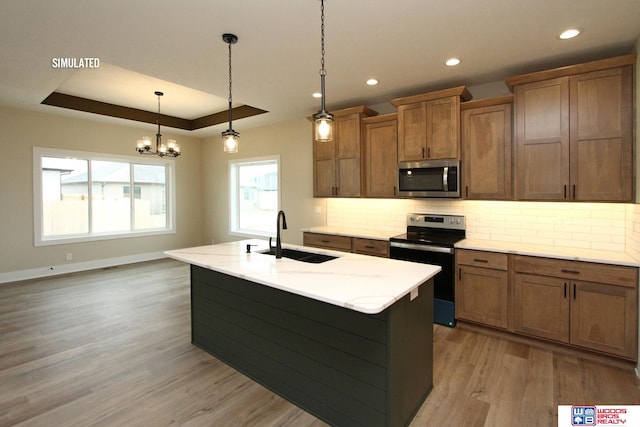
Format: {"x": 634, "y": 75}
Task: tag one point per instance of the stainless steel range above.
{"x": 430, "y": 239}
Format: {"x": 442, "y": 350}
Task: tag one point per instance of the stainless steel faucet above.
{"x": 284, "y": 227}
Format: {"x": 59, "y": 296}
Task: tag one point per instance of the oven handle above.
{"x": 423, "y": 248}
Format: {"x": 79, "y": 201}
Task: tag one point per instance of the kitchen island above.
{"x": 348, "y": 340}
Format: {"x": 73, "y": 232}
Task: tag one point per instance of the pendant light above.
{"x": 171, "y": 149}
{"x": 323, "y": 119}
{"x": 230, "y": 137}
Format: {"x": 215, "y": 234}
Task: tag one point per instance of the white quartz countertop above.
{"x": 358, "y": 282}
{"x": 574, "y": 254}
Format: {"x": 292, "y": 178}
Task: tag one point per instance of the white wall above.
{"x": 23, "y": 129}
{"x": 290, "y": 140}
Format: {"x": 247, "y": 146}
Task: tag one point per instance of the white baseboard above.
{"x": 36, "y": 273}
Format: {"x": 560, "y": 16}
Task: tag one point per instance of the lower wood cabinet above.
{"x": 581, "y": 304}
{"x": 482, "y": 287}
{"x": 327, "y": 241}
{"x": 584, "y": 304}
{"x": 356, "y": 245}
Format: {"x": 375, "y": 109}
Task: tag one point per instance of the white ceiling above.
{"x": 176, "y": 47}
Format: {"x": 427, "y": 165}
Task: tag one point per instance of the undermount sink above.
{"x": 301, "y": 255}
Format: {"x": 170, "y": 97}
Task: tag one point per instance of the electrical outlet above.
{"x": 69, "y": 256}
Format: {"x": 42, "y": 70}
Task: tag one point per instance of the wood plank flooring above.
{"x": 112, "y": 348}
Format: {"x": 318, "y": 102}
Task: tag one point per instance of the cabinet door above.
{"x": 381, "y": 155}
{"x": 348, "y": 155}
{"x": 412, "y": 131}
{"x": 482, "y": 295}
{"x": 486, "y": 152}
{"x": 604, "y": 318}
{"x": 541, "y": 306}
{"x": 542, "y": 140}
{"x": 602, "y": 135}
{"x": 443, "y": 128}
{"x": 324, "y": 172}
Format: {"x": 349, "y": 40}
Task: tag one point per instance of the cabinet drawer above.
{"x": 578, "y": 270}
{"x": 328, "y": 241}
{"x": 495, "y": 260}
{"x": 371, "y": 247}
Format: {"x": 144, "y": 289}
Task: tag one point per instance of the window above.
{"x": 255, "y": 199}
{"x": 87, "y": 196}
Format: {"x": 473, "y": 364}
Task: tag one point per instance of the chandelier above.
{"x": 323, "y": 119}
{"x": 230, "y": 137}
{"x": 171, "y": 149}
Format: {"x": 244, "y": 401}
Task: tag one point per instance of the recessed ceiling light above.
{"x": 372, "y": 82}
{"x": 317, "y": 95}
{"x": 570, "y": 33}
{"x": 452, "y": 61}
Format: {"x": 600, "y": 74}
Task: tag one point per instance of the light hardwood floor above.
{"x": 112, "y": 348}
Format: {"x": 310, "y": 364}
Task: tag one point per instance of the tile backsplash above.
{"x": 600, "y": 226}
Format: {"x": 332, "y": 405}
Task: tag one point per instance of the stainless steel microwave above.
{"x": 429, "y": 178}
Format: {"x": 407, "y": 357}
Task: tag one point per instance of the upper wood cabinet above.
{"x": 486, "y": 148}
{"x": 337, "y": 163}
{"x": 574, "y": 132}
{"x": 429, "y": 124}
{"x": 381, "y": 155}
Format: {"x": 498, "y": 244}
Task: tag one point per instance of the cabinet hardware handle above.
{"x": 370, "y": 247}
{"x": 395, "y": 191}
{"x": 574, "y": 291}
{"x": 337, "y": 190}
{"x": 423, "y": 153}
{"x": 570, "y": 271}
{"x": 574, "y": 191}
{"x": 565, "y": 191}
{"x": 565, "y": 289}
{"x": 480, "y": 260}
{"x": 429, "y": 152}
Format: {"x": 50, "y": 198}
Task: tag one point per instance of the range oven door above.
{"x": 444, "y": 282}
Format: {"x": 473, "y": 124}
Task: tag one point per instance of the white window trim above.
{"x": 233, "y": 213}
{"x": 40, "y": 240}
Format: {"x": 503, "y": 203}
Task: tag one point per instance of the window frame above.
{"x": 170, "y": 186}
{"x": 234, "y": 196}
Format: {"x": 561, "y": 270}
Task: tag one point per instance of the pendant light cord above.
{"x": 158, "y": 135}
{"x": 322, "y": 71}
{"x": 230, "y": 97}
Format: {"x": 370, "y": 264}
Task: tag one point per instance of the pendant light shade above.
{"x": 230, "y": 137}
{"x": 323, "y": 119}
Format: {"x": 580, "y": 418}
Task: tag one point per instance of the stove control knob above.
{"x": 457, "y": 221}
{"x": 451, "y": 221}
{"x": 413, "y": 218}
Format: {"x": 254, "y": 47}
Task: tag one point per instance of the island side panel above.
{"x": 410, "y": 354}
{"x": 328, "y": 360}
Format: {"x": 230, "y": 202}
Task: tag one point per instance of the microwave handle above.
{"x": 445, "y": 179}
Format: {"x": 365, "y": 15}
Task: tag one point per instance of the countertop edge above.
{"x": 571, "y": 254}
